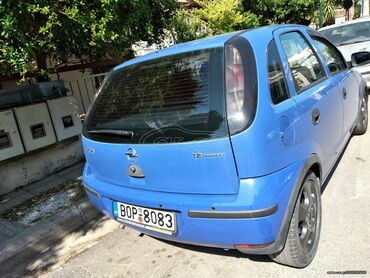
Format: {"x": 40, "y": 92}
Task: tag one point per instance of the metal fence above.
{"x": 84, "y": 89}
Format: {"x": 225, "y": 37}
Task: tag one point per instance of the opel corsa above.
{"x": 225, "y": 141}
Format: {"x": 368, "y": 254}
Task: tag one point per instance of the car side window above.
{"x": 331, "y": 55}
{"x": 303, "y": 62}
{"x": 278, "y": 88}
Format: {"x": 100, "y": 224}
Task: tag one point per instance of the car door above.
{"x": 316, "y": 94}
{"x": 345, "y": 80}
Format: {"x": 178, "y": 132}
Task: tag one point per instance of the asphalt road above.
{"x": 344, "y": 244}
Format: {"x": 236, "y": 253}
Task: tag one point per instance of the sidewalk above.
{"x": 9, "y": 229}
{"x": 53, "y": 238}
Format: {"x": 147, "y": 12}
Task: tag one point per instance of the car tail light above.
{"x": 235, "y": 91}
{"x": 241, "y": 84}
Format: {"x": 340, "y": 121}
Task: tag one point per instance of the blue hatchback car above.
{"x": 225, "y": 141}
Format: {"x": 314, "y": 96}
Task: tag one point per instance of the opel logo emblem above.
{"x": 131, "y": 155}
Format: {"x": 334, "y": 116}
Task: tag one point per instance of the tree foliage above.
{"x": 213, "y": 17}
{"x": 283, "y": 11}
{"x": 88, "y": 30}
{"x": 220, "y": 16}
{"x": 357, "y": 8}
{"x": 328, "y": 7}
{"x": 224, "y": 16}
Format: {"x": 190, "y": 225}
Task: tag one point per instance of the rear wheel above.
{"x": 304, "y": 230}
{"x": 362, "y": 118}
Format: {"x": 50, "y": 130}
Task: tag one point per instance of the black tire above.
{"x": 362, "y": 118}
{"x": 304, "y": 229}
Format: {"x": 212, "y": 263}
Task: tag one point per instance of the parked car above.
{"x": 225, "y": 141}
{"x": 351, "y": 37}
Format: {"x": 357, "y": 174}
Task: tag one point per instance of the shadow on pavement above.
{"x": 36, "y": 259}
{"x": 216, "y": 251}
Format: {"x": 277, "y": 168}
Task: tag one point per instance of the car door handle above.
{"x": 344, "y": 92}
{"x": 315, "y": 116}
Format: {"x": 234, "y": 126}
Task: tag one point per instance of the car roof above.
{"x": 362, "y": 19}
{"x": 213, "y": 42}
{"x": 206, "y": 43}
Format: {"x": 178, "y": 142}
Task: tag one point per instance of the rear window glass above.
{"x": 348, "y": 34}
{"x": 278, "y": 88}
{"x": 167, "y": 100}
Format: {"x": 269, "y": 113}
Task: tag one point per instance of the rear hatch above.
{"x": 167, "y": 118}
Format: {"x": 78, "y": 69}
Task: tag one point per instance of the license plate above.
{"x": 152, "y": 219}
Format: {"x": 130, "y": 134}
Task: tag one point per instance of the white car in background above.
{"x": 352, "y": 37}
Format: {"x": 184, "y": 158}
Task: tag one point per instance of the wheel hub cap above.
{"x": 307, "y": 216}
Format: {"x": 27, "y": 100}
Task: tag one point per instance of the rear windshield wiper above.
{"x": 113, "y": 132}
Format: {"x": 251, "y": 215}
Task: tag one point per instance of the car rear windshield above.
{"x": 173, "y": 99}
{"x": 348, "y": 34}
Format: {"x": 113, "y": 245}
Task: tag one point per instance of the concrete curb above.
{"x": 43, "y": 235}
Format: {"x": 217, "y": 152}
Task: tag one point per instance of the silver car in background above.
{"x": 352, "y": 37}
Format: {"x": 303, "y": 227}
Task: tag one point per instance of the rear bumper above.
{"x": 254, "y": 217}
{"x": 239, "y": 214}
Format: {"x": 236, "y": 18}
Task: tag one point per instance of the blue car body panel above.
{"x": 258, "y": 168}
{"x": 254, "y": 194}
{"x": 163, "y": 162}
